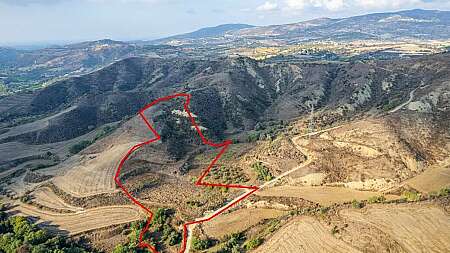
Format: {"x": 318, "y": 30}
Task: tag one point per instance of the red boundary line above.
{"x": 224, "y": 145}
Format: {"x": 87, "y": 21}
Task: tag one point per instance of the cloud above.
{"x": 296, "y": 4}
{"x": 267, "y": 6}
{"x": 332, "y": 5}
{"x": 368, "y": 5}
{"x": 380, "y": 4}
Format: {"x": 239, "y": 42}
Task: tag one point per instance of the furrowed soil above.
{"x": 81, "y": 221}
{"x": 238, "y": 221}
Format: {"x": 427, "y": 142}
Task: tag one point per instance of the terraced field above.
{"x": 238, "y": 221}
{"x": 46, "y": 197}
{"x": 82, "y": 221}
{"x": 304, "y": 234}
{"x": 94, "y": 173}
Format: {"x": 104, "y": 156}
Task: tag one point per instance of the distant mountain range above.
{"x": 206, "y": 32}
{"x": 409, "y": 24}
{"x": 22, "y": 69}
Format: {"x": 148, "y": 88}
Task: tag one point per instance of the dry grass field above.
{"x": 432, "y": 179}
{"x": 81, "y": 221}
{"x": 239, "y": 220}
{"x": 46, "y": 197}
{"x": 304, "y": 234}
{"x": 324, "y": 195}
{"x": 94, "y": 173}
{"x": 415, "y": 227}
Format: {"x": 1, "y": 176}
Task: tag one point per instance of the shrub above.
{"x": 252, "y": 137}
{"x": 262, "y": 171}
{"x": 356, "y": 204}
{"x": 174, "y": 238}
{"x": 411, "y": 196}
{"x": 376, "y": 199}
{"x": 199, "y": 244}
{"x": 75, "y": 149}
{"x": 253, "y": 243}
{"x": 444, "y": 192}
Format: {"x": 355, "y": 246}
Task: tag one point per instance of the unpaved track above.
{"x": 265, "y": 185}
{"x": 81, "y": 221}
{"x": 304, "y": 234}
{"x": 411, "y": 97}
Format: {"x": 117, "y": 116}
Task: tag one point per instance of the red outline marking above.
{"x": 224, "y": 145}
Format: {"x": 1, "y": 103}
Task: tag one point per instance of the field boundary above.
{"x": 223, "y": 147}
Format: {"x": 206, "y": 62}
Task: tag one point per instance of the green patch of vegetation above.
{"x": 228, "y": 175}
{"x": 391, "y": 105}
{"x": 273, "y": 225}
{"x": 376, "y": 199}
{"x": 411, "y": 196}
{"x": 444, "y": 192}
{"x": 75, "y": 149}
{"x": 162, "y": 223}
{"x": 25, "y": 199}
{"x": 199, "y": 244}
{"x": 232, "y": 244}
{"x": 17, "y": 234}
{"x": 262, "y": 171}
{"x": 357, "y": 204}
{"x": 253, "y": 137}
{"x": 253, "y": 243}
{"x": 163, "y": 233}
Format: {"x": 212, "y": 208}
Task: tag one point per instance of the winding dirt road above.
{"x": 247, "y": 192}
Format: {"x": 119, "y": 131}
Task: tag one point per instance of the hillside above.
{"x": 404, "y": 25}
{"x": 315, "y": 136}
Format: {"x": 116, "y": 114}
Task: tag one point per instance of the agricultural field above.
{"x": 304, "y": 234}
{"x": 239, "y": 220}
{"x": 80, "y": 221}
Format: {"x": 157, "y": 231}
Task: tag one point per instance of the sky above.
{"x": 64, "y": 21}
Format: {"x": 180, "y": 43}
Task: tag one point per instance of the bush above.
{"x": 252, "y": 244}
{"x": 75, "y": 149}
{"x": 376, "y": 199}
{"x": 411, "y": 196}
{"x": 356, "y": 204}
{"x": 199, "y": 244}
{"x": 444, "y": 192}
{"x": 253, "y": 137}
{"x": 262, "y": 171}
{"x": 233, "y": 243}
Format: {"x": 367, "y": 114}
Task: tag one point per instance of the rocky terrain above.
{"x": 328, "y": 132}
